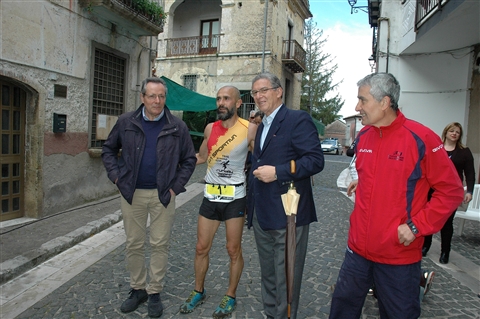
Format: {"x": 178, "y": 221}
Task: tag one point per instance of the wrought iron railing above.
{"x": 425, "y": 9}
{"x": 193, "y": 45}
{"x": 293, "y": 52}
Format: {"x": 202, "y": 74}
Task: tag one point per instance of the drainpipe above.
{"x": 264, "y": 34}
{"x": 388, "y": 39}
{"x": 150, "y": 58}
{"x": 138, "y": 84}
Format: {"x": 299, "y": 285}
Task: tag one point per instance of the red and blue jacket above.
{"x": 397, "y": 165}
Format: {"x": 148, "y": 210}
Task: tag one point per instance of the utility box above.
{"x": 59, "y": 123}
{"x": 105, "y": 123}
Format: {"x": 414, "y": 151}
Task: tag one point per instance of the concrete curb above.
{"x": 16, "y": 266}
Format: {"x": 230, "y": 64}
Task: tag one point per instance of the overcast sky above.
{"x": 349, "y": 41}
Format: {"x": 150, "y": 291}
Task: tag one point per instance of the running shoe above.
{"x": 193, "y": 301}
{"x": 226, "y": 307}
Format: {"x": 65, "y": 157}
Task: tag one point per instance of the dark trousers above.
{"x": 271, "y": 252}
{"x": 396, "y": 287}
{"x": 446, "y": 234}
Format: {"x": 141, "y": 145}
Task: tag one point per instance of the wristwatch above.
{"x": 412, "y": 226}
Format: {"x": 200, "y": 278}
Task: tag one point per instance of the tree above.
{"x": 318, "y": 76}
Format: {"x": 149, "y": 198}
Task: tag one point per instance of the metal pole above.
{"x": 264, "y": 35}
{"x": 310, "y": 99}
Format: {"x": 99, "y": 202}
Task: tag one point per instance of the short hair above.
{"x": 274, "y": 80}
{"x": 154, "y": 80}
{"x": 236, "y": 92}
{"x": 448, "y": 127}
{"x": 381, "y": 85}
{"x": 259, "y": 113}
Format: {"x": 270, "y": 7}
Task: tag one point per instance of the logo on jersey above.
{"x": 397, "y": 156}
{"x": 439, "y": 147}
{"x": 364, "y": 150}
{"x": 224, "y": 171}
{"x": 225, "y": 144}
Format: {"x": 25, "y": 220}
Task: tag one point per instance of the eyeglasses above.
{"x": 262, "y": 91}
{"x": 153, "y": 97}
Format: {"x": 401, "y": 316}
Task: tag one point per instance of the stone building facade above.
{"x": 336, "y": 130}
{"x": 208, "y": 44}
{"x": 353, "y": 126}
{"x": 63, "y": 62}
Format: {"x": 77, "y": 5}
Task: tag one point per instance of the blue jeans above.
{"x": 397, "y": 288}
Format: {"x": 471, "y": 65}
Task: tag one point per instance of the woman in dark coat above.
{"x": 462, "y": 158}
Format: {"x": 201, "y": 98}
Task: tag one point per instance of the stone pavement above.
{"x": 90, "y": 280}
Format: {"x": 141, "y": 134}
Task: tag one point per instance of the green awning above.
{"x": 320, "y": 126}
{"x": 180, "y": 98}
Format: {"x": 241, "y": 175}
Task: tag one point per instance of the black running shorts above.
{"x": 223, "y": 211}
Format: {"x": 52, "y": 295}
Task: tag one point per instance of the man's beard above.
{"x": 225, "y": 116}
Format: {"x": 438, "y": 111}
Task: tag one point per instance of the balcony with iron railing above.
{"x": 425, "y": 9}
{"x": 199, "y": 45}
{"x": 293, "y": 56}
{"x": 139, "y": 17}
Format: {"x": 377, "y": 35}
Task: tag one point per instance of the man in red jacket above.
{"x": 398, "y": 161}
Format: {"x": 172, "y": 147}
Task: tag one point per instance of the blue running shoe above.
{"x": 226, "y": 307}
{"x": 193, "y": 301}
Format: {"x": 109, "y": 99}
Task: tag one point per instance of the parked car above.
{"x": 331, "y": 146}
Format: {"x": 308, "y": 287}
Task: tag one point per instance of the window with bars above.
{"x": 109, "y": 82}
{"x": 247, "y": 105}
{"x": 190, "y": 82}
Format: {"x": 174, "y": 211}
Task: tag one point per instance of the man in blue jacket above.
{"x": 284, "y": 135}
{"x": 156, "y": 160}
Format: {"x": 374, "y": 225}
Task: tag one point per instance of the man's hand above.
{"x": 352, "y": 187}
{"x": 266, "y": 173}
{"x": 405, "y": 235}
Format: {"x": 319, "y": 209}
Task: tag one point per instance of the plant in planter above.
{"x": 150, "y": 9}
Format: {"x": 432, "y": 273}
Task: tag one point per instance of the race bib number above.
{"x": 219, "y": 193}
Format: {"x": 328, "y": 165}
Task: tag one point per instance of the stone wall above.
{"x": 45, "y": 43}
{"x": 239, "y": 58}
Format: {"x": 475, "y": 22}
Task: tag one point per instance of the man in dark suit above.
{"x": 284, "y": 135}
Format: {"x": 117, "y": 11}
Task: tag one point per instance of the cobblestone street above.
{"x": 99, "y": 290}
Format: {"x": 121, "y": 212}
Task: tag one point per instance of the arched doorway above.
{"x": 12, "y": 157}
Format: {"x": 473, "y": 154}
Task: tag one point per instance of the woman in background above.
{"x": 462, "y": 158}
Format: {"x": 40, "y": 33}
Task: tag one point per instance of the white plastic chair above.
{"x": 472, "y": 212}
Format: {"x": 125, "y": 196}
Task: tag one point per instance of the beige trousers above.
{"x": 146, "y": 204}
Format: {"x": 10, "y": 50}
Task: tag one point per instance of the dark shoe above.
{"x": 155, "y": 307}
{"x": 427, "y": 280}
{"x": 137, "y": 297}
{"x": 424, "y": 251}
{"x": 444, "y": 258}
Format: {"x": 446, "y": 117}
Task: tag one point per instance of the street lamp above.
{"x": 355, "y": 8}
{"x": 309, "y": 88}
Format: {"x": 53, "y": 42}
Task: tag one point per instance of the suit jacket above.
{"x": 292, "y": 135}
